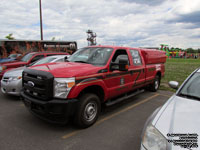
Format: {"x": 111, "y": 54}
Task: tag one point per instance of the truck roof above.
{"x": 123, "y": 47}
{"x": 47, "y": 52}
{"x": 111, "y": 46}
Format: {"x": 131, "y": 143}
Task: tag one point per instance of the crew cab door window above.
{"x": 138, "y": 69}
{"x": 136, "y": 57}
{"x": 37, "y": 57}
{"x": 120, "y": 54}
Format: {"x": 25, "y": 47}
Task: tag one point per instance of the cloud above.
{"x": 145, "y": 2}
{"x": 135, "y": 23}
{"x": 193, "y": 17}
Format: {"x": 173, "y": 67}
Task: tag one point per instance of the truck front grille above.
{"x": 38, "y": 84}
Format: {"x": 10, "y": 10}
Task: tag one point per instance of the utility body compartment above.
{"x": 152, "y": 56}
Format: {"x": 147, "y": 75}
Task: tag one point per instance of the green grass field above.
{"x": 177, "y": 69}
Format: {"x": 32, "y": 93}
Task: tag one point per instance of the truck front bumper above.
{"x": 54, "y": 111}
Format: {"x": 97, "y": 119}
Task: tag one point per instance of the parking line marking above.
{"x": 111, "y": 116}
{"x": 165, "y": 95}
{"x": 70, "y": 134}
{"x": 126, "y": 109}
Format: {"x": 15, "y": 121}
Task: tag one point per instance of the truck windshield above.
{"x": 27, "y": 57}
{"x": 92, "y": 55}
{"x": 191, "y": 89}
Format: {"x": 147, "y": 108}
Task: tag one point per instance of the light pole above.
{"x": 41, "y": 31}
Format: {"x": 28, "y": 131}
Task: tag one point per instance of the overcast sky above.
{"x": 135, "y": 23}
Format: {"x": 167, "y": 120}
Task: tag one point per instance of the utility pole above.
{"x": 41, "y": 31}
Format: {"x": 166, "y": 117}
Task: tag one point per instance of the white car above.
{"x": 11, "y": 82}
{"x": 176, "y": 125}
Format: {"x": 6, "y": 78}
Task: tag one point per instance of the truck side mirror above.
{"x": 121, "y": 66}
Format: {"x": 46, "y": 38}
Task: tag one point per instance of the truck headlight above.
{"x": 2, "y": 68}
{"x": 62, "y": 86}
{"x": 153, "y": 139}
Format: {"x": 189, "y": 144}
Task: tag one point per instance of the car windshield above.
{"x": 44, "y": 60}
{"x": 191, "y": 88}
{"x": 92, "y": 55}
{"x": 12, "y": 56}
{"x": 27, "y": 57}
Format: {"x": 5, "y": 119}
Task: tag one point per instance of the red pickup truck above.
{"x": 26, "y": 60}
{"x": 92, "y": 76}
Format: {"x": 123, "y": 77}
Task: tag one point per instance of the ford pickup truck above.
{"x": 26, "y": 60}
{"x": 92, "y": 77}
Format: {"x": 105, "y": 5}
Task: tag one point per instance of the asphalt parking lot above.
{"x": 118, "y": 128}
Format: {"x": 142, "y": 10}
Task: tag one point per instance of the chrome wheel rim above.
{"x": 156, "y": 84}
{"x": 90, "y": 111}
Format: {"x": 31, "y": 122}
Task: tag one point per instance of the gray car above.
{"x": 11, "y": 82}
{"x": 175, "y": 125}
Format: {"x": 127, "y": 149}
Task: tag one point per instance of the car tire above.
{"x": 87, "y": 111}
{"x": 155, "y": 85}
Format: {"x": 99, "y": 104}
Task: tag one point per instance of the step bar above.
{"x": 110, "y": 103}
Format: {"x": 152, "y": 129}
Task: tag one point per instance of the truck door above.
{"x": 117, "y": 81}
{"x": 137, "y": 69}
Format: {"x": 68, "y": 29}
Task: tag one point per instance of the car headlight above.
{"x": 2, "y": 68}
{"x": 153, "y": 139}
{"x": 62, "y": 86}
{"x": 14, "y": 78}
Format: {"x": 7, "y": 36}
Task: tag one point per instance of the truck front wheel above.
{"x": 88, "y": 110}
{"x": 155, "y": 85}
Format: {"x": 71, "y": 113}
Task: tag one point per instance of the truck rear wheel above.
{"x": 155, "y": 85}
{"x": 88, "y": 110}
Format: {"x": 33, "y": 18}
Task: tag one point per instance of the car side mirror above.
{"x": 66, "y": 58}
{"x": 174, "y": 84}
{"x": 121, "y": 66}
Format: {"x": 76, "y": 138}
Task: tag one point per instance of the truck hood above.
{"x": 68, "y": 69}
{"x": 15, "y": 64}
{"x": 6, "y": 62}
{"x": 181, "y": 116}
{"x": 6, "y": 59}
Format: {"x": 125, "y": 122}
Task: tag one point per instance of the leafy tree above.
{"x": 172, "y": 48}
{"x": 53, "y": 38}
{"x": 10, "y": 36}
{"x": 190, "y": 50}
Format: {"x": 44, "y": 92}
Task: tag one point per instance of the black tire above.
{"x": 88, "y": 110}
{"x": 155, "y": 85}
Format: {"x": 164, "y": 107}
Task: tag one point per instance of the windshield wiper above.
{"x": 189, "y": 96}
{"x": 82, "y": 62}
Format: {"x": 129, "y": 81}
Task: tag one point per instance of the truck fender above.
{"x": 78, "y": 88}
